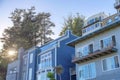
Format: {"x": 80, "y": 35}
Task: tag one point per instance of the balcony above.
{"x": 117, "y": 5}
{"x": 89, "y": 24}
{"x": 95, "y": 54}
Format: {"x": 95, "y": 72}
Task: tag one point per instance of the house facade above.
{"x": 36, "y": 62}
{"x": 97, "y": 51}
{"x": 14, "y": 71}
{"x": 53, "y": 54}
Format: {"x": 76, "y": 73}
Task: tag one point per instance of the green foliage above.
{"x": 29, "y": 29}
{"x": 1, "y": 78}
{"x": 50, "y": 75}
{"x": 3, "y": 67}
{"x": 73, "y": 23}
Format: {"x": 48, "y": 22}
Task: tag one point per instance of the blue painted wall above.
{"x": 64, "y": 54}
{"x": 33, "y": 65}
{"x": 64, "y": 57}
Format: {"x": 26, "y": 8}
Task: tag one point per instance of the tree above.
{"x": 3, "y": 67}
{"x": 50, "y": 75}
{"x": 59, "y": 71}
{"x": 29, "y": 29}
{"x": 73, "y": 23}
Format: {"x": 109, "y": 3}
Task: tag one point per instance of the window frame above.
{"x": 81, "y": 48}
{"x": 113, "y": 68}
{"x": 31, "y": 58}
{"x": 110, "y": 36}
{"x": 92, "y": 77}
{"x": 30, "y": 75}
{"x": 43, "y": 59}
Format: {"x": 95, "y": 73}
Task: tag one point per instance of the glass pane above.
{"x": 104, "y": 65}
{"x": 107, "y": 42}
{"x": 87, "y": 71}
{"x": 110, "y": 63}
{"x": 116, "y": 62}
{"x": 85, "y": 50}
{"x": 93, "y": 70}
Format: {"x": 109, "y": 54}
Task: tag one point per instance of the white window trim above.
{"x": 110, "y": 69}
{"x": 31, "y": 58}
{"x": 47, "y": 53}
{"x": 30, "y": 76}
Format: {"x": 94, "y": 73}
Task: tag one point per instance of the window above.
{"x": 116, "y": 18}
{"x": 110, "y": 63}
{"x": 109, "y": 21}
{"x": 43, "y": 76}
{"x": 86, "y": 50}
{"x": 31, "y": 58}
{"x": 100, "y": 18}
{"x": 97, "y": 25}
{"x": 108, "y": 42}
{"x": 25, "y": 60}
{"x": 91, "y": 21}
{"x": 87, "y": 71}
{"x": 91, "y": 28}
{"x": 84, "y": 30}
{"x": 13, "y": 70}
{"x": 30, "y": 73}
{"x": 46, "y": 60}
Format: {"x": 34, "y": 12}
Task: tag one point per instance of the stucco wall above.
{"x": 108, "y": 75}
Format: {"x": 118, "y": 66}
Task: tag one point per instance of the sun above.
{"x": 11, "y": 52}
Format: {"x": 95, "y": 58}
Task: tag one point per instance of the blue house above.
{"x": 53, "y": 54}
{"x": 32, "y": 63}
{"x": 36, "y": 62}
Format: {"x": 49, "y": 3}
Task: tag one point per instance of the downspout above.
{"x": 27, "y": 67}
{"x": 55, "y": 58}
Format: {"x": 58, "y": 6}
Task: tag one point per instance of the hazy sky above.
{"x": 59, "y": 9}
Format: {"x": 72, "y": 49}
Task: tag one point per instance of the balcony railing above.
{"x": 88, "y": 24}
{"x": 95, "y": 54}
{"x": 117, "y": 5}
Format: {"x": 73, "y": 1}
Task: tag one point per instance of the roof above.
{"x": 52, "y": 43}
{"x": 106, "y": 27}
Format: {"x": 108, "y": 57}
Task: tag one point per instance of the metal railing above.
{"x": 104, "y": 48}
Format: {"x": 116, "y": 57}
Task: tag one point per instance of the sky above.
{"x": 59, "y": 9}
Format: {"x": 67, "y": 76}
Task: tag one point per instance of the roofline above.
{"x": 107, "y": 27}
